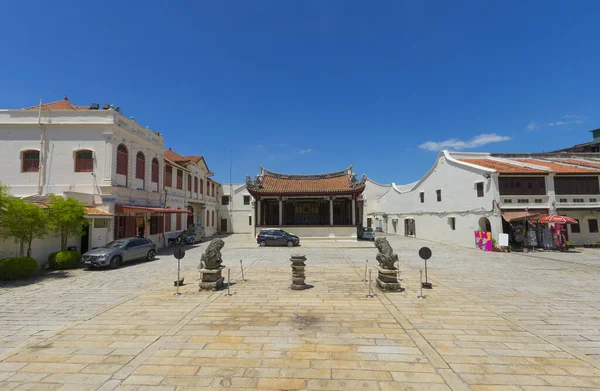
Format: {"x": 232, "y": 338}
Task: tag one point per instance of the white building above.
{"x": 98, "y": 156}
{"x": 188, "y": 186}
{"x": 237, "y": 210}
{"x": 467, "y": 192}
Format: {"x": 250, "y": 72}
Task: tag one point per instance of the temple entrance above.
{"x": 308, "y": 211}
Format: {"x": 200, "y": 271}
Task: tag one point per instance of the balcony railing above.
{"x": 524, "y": 201}
{"x": 578, "y": 201}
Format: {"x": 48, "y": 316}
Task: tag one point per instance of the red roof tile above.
{"x": 586, "y": 163}
{"x": 92, "y": 211}
{"x": 559, "y": 168}
{"x": 195, "y": 159}
{"x": 59, "y": 105}
{"x": 175, "y": 157}
{"x": 502, "y": 167}
{"x": 337, "y": 182}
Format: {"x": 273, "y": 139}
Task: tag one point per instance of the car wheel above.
{"x": 289, "y": 243}
{"x": 262, "y": 243}
{"x": 171, "y": 242}
{"x": 115, "y": 262}
{"x": 151, "y": 255}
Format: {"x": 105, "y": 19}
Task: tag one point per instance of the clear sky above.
{"x": 313, "y": 86}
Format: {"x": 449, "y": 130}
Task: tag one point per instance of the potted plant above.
{"x": 586, "y": 245}
{"x": 569, "y": 244}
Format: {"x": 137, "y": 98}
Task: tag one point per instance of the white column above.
{"x": 280, "y": 212}
{"x": 331, "y": 211}
{"x": 353, "y": 211}
{"x": 551, "y": 193}
{"x": 258, "y": 218}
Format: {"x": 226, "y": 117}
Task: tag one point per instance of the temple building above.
{"x": 322, "y": 205}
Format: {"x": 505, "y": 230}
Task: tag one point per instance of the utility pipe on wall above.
{"x": 41, "y": 166}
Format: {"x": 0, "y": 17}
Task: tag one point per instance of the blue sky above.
{"x": 312, "y": 86}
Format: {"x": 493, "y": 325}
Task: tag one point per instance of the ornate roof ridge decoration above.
{"x": 358, "y": 183}
{"x": 347, "y": 171}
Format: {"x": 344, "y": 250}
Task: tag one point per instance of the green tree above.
{"x": 4, "y": 200}
{"x": 66, "y": 217}
{"x": 24, "y": 222}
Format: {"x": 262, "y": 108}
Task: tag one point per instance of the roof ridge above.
{"x": 333, "y": 174}
{"x": 73, "y": 107}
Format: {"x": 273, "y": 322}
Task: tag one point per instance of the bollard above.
{"x": 228, "y": 281}
{"x": 242, "y": 267}
{"x": 370, "y": 291}
{"x": 366, "y": 266}
{"x": 421, "y": 295}
{"x": 177, "y": 293}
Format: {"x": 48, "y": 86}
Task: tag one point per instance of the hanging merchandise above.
{"x": 531, "y": 237}
{"x": 547, "y": 241}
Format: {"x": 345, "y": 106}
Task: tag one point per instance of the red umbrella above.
{"x": 558, "y": 219}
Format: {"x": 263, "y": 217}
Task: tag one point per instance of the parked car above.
{"x": 185, "y": 237}
{"x": 116, "y": 252}
{"x": 276, "y": 237}
{"x": 366, "y": 233}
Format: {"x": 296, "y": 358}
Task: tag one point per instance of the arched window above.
{"x": 155, "y": 171}
{"x": 207, "y": 217}
{"x": 201, "y": 186}
{"x": 140, "y": 166}
{"x": 30, "y": 161}
{"x": 196, "y": 184}
{"x": 213, "y": 218}
{"x": 213, "y": 189}
{"x": 84, "y": 161}
{"x": 122, "y": 158}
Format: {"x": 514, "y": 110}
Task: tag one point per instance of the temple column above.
{"x": 330, "y": 210}
{"x": 258, "y": 217}
{"x": 280, "y": 212}
{"x": 353, "y": 210}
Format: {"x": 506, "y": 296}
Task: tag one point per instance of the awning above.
{"x": 95, "y": 212}
{"x": 147, "y": 209}
{"x": 520, "y": 215}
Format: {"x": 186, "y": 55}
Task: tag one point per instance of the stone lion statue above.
{"x": 386, "y": 256}
{"x": 211, "y": 259}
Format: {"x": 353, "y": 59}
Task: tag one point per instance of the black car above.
{"x": 276, "y": 237}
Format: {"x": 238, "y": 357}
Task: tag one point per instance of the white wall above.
{"x": 583, "y": 216}
{"x": 40, "y": 248}
{"x": 236, "y": 212}
{"x": 459, "y": 200}
{"x": 370, "y": 199}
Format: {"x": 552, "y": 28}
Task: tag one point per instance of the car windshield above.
{"x": 368, "y": 229}
{"x": 116, "y": 244}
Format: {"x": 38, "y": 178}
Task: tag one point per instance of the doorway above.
{"x": 140, "y": 226}
{"x": 369, "y": 222}
{"x": 485, "y": 225}
{"x": 395, "y": 225}
{"x": 409, "y": 227}
{"x": 85, "y": 239}
{"x": 223, "y": 226}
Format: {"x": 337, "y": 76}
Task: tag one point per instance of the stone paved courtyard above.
{"x": 492, "y": 322}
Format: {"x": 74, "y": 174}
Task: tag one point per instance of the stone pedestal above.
{"x": 211, "y": 279}
{"x": 388, "y": 279}
{"x": 298, "y": 266}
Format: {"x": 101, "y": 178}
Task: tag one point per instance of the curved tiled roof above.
{"x": 287, "y": 184}
{"x": 559, "y": 168}
{"x": 503, "y": 167}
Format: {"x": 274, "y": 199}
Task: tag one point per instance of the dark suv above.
{"x": 276, "y": 237}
